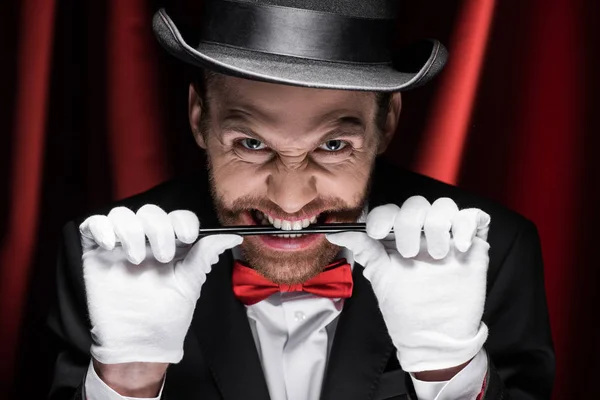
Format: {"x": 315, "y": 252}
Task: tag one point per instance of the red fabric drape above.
{"x": 95, "y": 110}
{"x": 135, "y": 123}
{"x": 31, "y": 107}
{"x": 445, "y": 135}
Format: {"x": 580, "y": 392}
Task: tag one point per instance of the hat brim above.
{"x": 409, "y": 68}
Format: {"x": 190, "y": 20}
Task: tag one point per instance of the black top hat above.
{"x": 336, "y": 44}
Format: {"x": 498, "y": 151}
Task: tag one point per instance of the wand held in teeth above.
{"x": 249, "y": 230}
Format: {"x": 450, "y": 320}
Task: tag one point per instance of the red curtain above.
{"x": 94, "y": 110}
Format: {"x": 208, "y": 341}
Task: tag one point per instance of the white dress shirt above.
{"x": 293, "y": 333}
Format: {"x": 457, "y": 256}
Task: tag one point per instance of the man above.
{"x": 297, "y": 99}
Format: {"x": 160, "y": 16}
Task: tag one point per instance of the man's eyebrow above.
{"x": 339, "y": 117}
{"x": 341, "y": 132}
{"x": 353, "y": 125}
{"x": 346, "y": 120}
{"x": 346, "y": 126}
{"x": 237, "y": 124}
{"x": 342, "y": 127}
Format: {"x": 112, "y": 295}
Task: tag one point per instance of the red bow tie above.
{"x": 250, "y": 287}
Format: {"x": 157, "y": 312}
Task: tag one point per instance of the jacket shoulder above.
{"x": 182, "y": 193}
{"x": 392, "y": 184}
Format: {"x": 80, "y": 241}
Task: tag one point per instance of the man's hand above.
{"x": 431, "y": 287}
{"x": 141, "y": 297}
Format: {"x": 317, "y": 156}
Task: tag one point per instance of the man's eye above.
{"x": 252, "y": 144}
{"x": 333, "y": 145}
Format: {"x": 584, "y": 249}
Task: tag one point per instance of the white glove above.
{"x": 141, "y": 297}
{"x": 431, "y": 289}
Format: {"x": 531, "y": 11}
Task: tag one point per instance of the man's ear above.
{"x": 195, "y": 108}
{"x": 391, "y": 122}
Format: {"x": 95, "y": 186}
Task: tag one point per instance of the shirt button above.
{"x": 299, "y": 316}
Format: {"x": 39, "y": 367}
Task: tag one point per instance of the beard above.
{"x": 284, "y": 266}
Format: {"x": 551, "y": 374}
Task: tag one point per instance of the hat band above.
{"x": 297, "y": 32}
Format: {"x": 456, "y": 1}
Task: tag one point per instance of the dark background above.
{"x": 94, "y": 110}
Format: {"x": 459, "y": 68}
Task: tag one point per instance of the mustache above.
{"x": 333, "y": 206}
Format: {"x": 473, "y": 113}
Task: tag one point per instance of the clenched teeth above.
{"x": 286, "y": 225}
{"x": 290, "y": 235}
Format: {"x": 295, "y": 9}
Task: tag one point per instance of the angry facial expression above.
{"x": 289, "y": 157}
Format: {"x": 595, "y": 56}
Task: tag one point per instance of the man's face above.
{"x": 289, "y": 157}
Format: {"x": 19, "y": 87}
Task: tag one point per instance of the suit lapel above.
{"x": 361, "y": 346}
{"x": 221, "y": 325}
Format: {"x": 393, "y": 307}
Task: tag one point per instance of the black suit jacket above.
{"x": 220, "y": 359}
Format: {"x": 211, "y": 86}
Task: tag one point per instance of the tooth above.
{"x": 265, "y": 221}
{"x": 270, "y": 219}
{"x": 286, "y": 225}
{"x": 313, "y": 219}
{"x": 305, "y": 223}
{"x": 297, "y": 225}
{"x": 276, "y": 222}
{"x": 286, "y": 235}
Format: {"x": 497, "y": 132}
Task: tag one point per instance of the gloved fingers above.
{"x": 466, "y": 225}
{"x": 408, "y": 225}
{"x": 199, "y": 260}
{"x": 438, "y": 223}
{"x": 364, "y": 248}
{"x": 99, "y": 230}
{"x": 191, "y": 272}
{"x": 380, "y": 220}
{"x": 185, "y": 224}
{"x": 158, "y": 229}
{"x": 211, "y": 247}
{"x": 207, "y": 250}
{"x": 483, "y": 225}
{"x": 130, "y": 233}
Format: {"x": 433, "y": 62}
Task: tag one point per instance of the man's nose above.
{"x": 291, "y": 190}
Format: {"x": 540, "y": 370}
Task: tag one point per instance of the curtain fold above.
{"x": 547, "y": 171}
{"x": 446, "y": 131}
{"x": 29, "y": 136}
{"x": 99, "y": 113}
{"x": 135, "y": 123}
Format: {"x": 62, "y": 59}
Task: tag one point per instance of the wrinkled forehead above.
{"x": 276, "y": 103}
